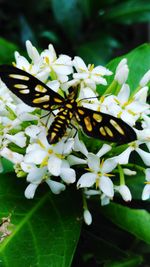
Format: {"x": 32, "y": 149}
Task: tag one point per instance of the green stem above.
{"x": 111, "y": 88}
{"x": 121, "y": 173}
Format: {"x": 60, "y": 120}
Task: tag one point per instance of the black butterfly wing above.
{"x": 104, "y": 127}
{"x": 29, "y": 89}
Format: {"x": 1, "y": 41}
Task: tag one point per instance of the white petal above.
{"x": 103, "y": 150}
{"x": 79, "y": 64}
{"x": 145, "y": 156}
{"x": 86, "y": 180}
{"x": 122, "y": 74}
{"x": 106, "y": 186}
{"x": 147, "y": 173}
{"x": 146, "y": 192}
{"x": 30, "y": 190}
{"x": 124, "y": 192}
{"x": 93, "y": 162}
{"x": 12, "y": 156}
{"x": 55, "y": 187}
{"x": 26, "y": 167}
{"x": 109, "y": 165}
{"x": 54, "y": 165}
{"x": 129, "y": 172}
{"x": 54, "y": 85}
{"x": 91, "y": 192}
{"x": 32, "y": 131}
{"x": 145, "y": 79}
{"x": 36, "y": 174}
{"x": 19, "y": 139}
{"x": 104, "y": 200}
{"x": 68, "y": 175}
{"x": 124, "y": 93}
{"x": 32, "y": 51}
{"x": 36, "y": 156}
{"x": 123, "y": 158}
{"x": 141, "y": 95}
{"x": 73, "y": 160}
{"x": 80, "y": 146}
{"x": 101, "y": 71}
{"x": 79, "y": 76}
{"x": 87, "y": 217}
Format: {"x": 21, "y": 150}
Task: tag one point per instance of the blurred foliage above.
{"x": 95, "y": 30}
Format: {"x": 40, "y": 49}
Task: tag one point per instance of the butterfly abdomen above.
{"x": 59, "y": 125}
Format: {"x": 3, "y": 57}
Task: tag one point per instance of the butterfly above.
{"x": 35, "y": 93}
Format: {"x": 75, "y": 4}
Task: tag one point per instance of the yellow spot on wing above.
{"x": 88, "y": 124}
{"x": 68, "y": 105}
{"x": 81, "y": 111}
{"x": 108, "y": 131}
{"x": 26, "y": 91}
{"x": 57, "y": 100}
{"x": 45, "y": 106}
{"x": 20, "y": 86}
{"x": 42, "y": 99}
{"x": 97, "y": 117}
{"x": 40, "y": 88}
{"x": 117, "y": 126}
{"x": 18, "y": 76}
{"x": 102, "y": 131}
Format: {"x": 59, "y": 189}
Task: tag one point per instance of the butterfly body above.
{"x": 37, "y": 94}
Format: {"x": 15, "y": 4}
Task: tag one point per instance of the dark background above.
{"x": 95, "y": 30}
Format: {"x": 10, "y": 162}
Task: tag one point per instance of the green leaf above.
{"x": 68, "y": 16}
{"x": 44, "y": 231}
{"x": 133, "y": 261}
{"x": 135, "y": 221}
{"x": 7, "y": 50}
{"x": 129, "y": 12}
{"x": 138, "y": 61}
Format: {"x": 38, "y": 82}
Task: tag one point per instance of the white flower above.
{"x": 123, "y": 158}
{"x": 89, "y": 76}
{"x": 52, "y": 156}
{"x": 124, "y": 192}
{"x": 19, "y": 139}
{"x": 122, "y": 71}
{"x": 61, "y": 66}
{"x": 35, "y": 176}
{"x": 145, "y": 79}
{"x": 125, "y": 108}
{"x": 98, "y": 175}
{"x": 146, "y": 190}
{"x": 87, "y": 217}
{"x": 10, "y": 155}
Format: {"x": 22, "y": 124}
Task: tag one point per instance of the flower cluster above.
{"x": 23, "y": 130}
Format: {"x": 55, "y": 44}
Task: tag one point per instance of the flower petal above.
{"x": 106, "y": 186}
{"x": 54, "y": 165}
{"x": 30, "y": 191}
{"x": 55, "y": 187}
{"x": 86, "y": 180}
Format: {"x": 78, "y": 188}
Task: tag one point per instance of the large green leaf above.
{"x": 138, "y": 61}
{"x": 7, "y": 51}
{"x": 44, "y": 231}
{"x": 135, "y": 221}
